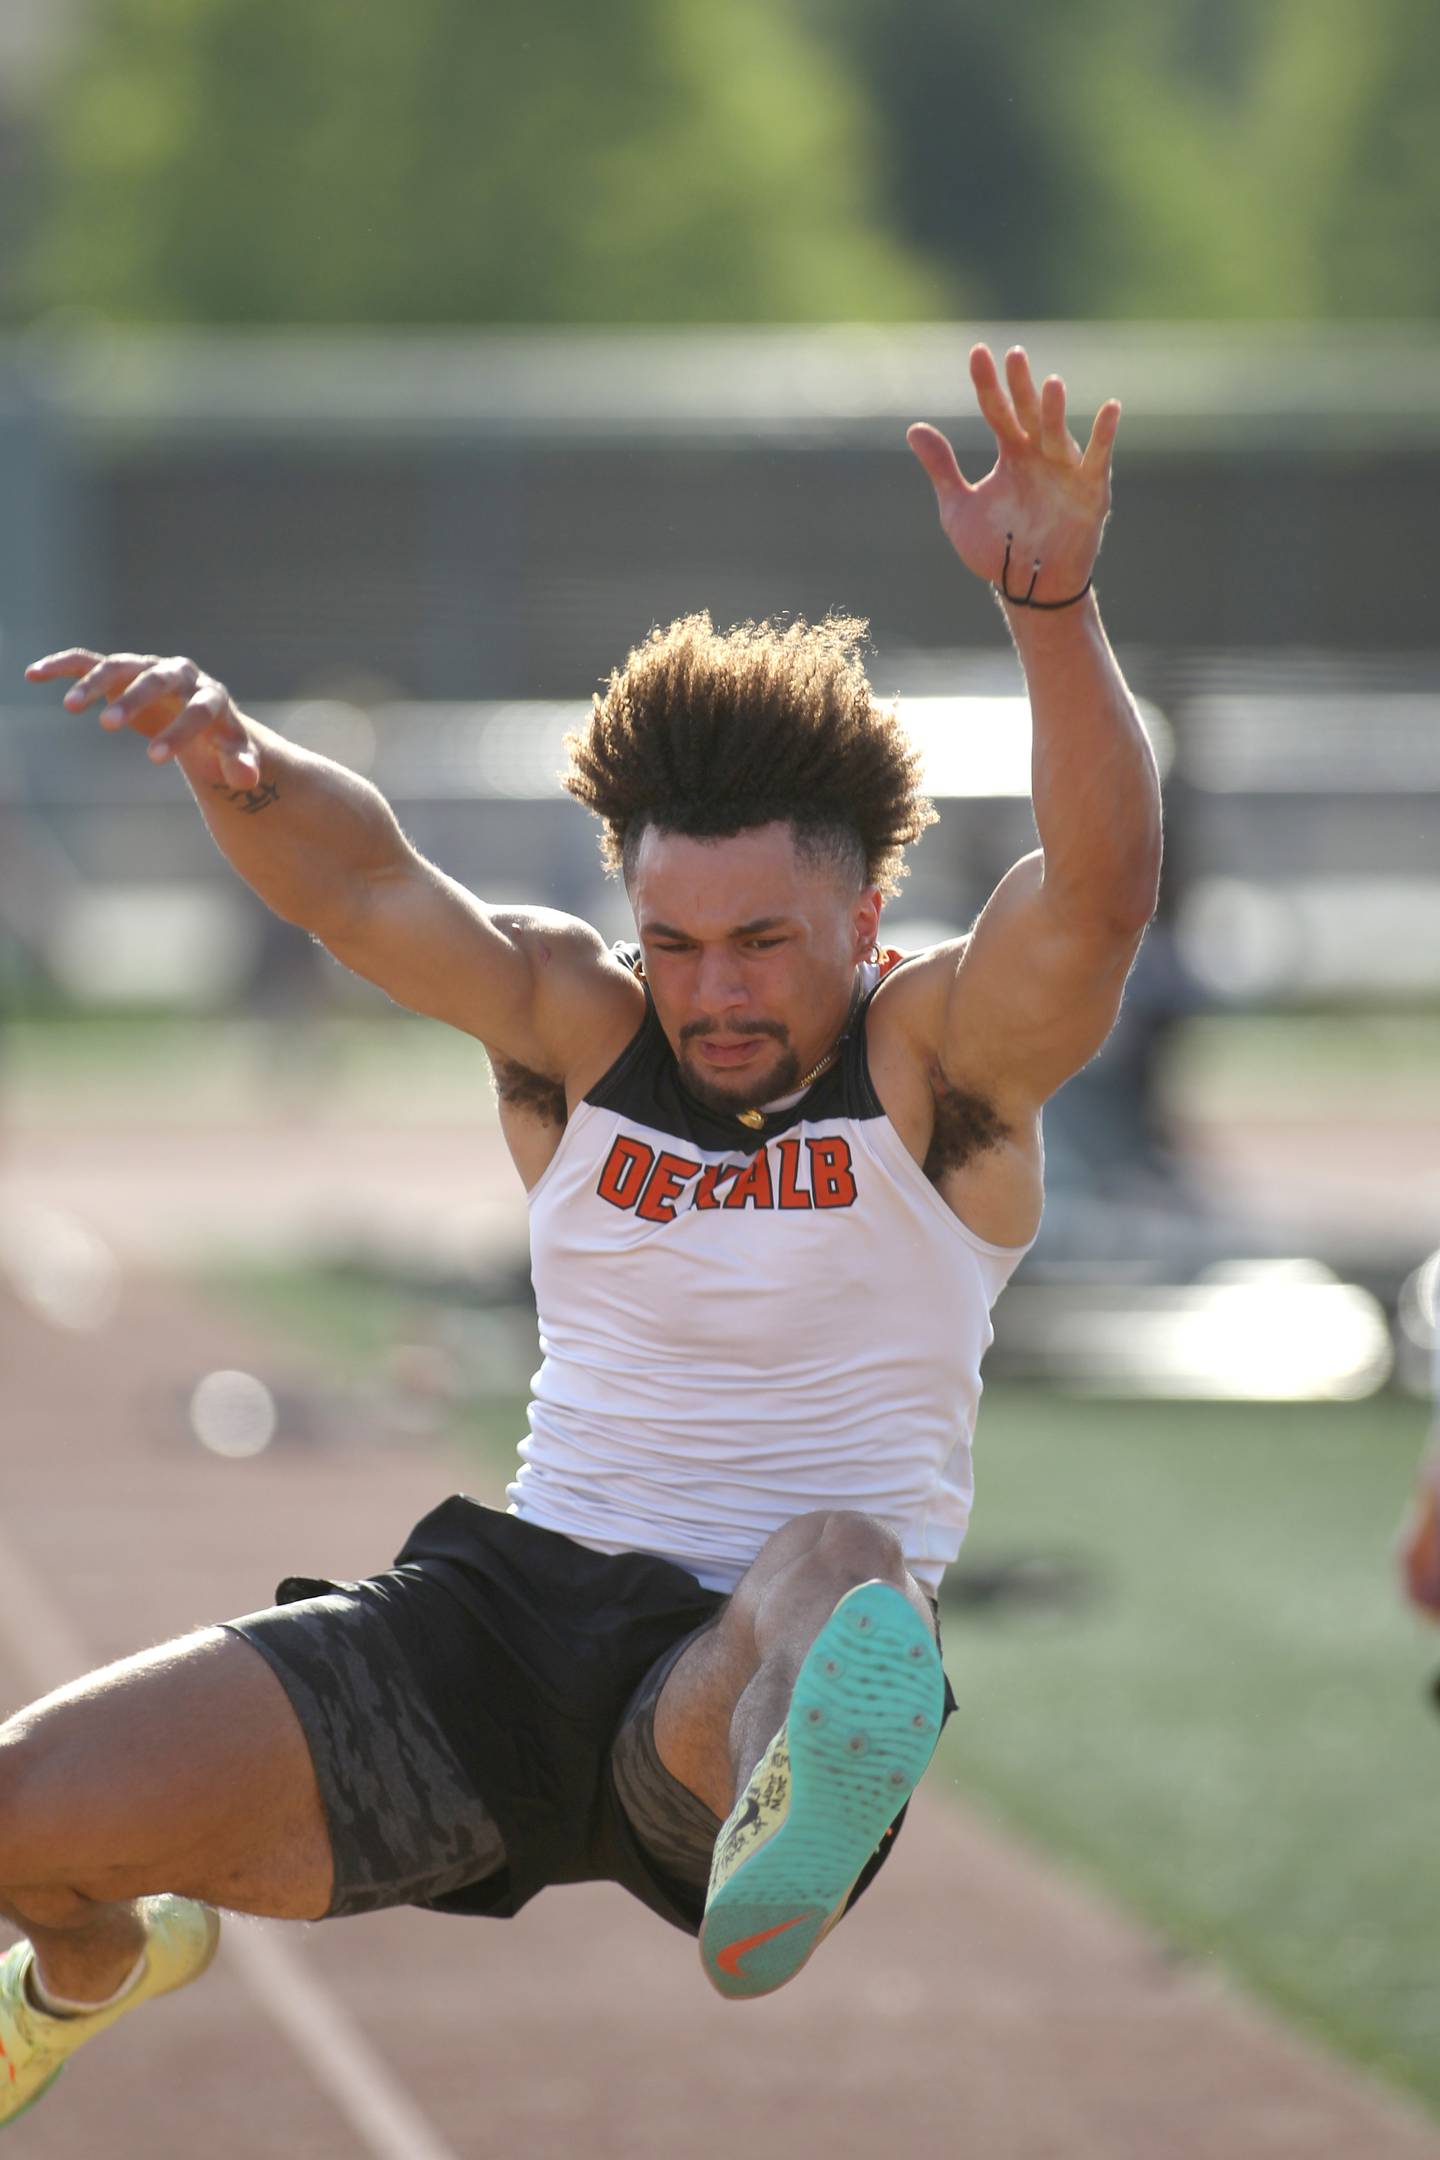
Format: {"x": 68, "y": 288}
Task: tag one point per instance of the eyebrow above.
{"x": 744, "y": 929}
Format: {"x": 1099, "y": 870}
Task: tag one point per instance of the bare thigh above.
{"x": 182, "y": 1769}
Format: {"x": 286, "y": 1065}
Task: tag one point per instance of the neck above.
{"x": 822, "y": 1065}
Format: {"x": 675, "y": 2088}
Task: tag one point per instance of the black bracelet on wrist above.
{"x": 1024, "y": 600}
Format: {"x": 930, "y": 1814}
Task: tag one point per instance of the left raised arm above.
{"x": 1039, "y": 983}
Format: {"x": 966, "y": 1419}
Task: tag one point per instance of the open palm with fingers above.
{"x": 173, "y": 702}
{"x": 1045, "y": 500}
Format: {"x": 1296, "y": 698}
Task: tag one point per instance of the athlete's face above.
{"x": 750, "y": 952}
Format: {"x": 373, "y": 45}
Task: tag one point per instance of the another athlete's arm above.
{"x": 323, "y": 849}
{"x": 1039, "y": 982}
{"x": 1418, "y": 1546}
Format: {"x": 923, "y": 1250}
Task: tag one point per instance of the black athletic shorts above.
{"x": 480, "y": 1718}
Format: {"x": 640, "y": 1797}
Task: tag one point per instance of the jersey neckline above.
{"x": 645, "y": 1083}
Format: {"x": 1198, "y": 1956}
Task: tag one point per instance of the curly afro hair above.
{"x": 710, "y": 732}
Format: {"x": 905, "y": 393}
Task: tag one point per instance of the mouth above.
{"x": 725, "y": 1052}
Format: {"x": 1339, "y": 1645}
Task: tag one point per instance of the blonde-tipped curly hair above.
{"x": 711, "y": 732}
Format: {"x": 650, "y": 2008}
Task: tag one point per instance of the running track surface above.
{"x": 976, "y": 2003}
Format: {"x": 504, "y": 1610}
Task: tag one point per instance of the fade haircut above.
{"x": 709, "y": 733}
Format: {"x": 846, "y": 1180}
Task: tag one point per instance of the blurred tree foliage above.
{"x": 1163, "y": 158}
{"x": 682, "y": 161}
{"x": 441, "y": 161}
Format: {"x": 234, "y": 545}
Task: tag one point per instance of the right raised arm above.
{"x": 323, "y": 849}
{"x": 538, "y": 988}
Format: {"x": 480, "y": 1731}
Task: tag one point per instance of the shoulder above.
{"x": 589, "y": 1006}
{"x": 982, "y": 1154}
{"x": 587, "y": 999}
{"x": 904, "y": 1028}
{"x": 562, "y": 949}
{"x": 912, "y": 996}
{"x": 913, "y": 1037}
{"x": 551, "y": 937}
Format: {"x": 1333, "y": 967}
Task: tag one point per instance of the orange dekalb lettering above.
{"x": 624, "y": 1172}
{"x": 792, "y": 1192}
{"x": 668, "y": 1179}
{"x": 714, "y": 1173}
{"x": 636, "y": 1177}
{"x": 752, "y": 1184}
{"x": 832, "y": 1180}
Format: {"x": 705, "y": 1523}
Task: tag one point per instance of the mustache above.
{"x": 776, "y": 1029}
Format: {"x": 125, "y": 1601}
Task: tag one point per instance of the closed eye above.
{"x": 759, "y": 944}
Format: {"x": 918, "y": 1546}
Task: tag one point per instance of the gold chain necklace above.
{"x": 755, "y": 1119}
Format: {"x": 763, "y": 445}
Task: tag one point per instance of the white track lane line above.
{"x": 48, "y": 1649}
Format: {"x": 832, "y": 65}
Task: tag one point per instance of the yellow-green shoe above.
{"x": 181, "y": 1938}
{"x": 865, "y": 1714}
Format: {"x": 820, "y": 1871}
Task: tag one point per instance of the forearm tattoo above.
{"x": 249, "y": 799}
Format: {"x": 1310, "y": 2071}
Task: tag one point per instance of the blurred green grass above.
{"x": 1221, "y": 1718}
{"x": 375, "y": 1061}
{"x": 1371, "y": 1065}
{"x": 1231, "y": 1732}
{"x": 119, "y": 1068}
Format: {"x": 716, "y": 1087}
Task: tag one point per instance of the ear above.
{"x": 865, "y": 921}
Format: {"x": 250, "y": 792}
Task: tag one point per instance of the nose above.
{"x": 719, "y": 983}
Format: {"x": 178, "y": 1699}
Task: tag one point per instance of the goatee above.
{"x": 782, "y": 1078}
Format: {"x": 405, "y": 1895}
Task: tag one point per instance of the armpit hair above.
{"x": 966, "y": 1125}
{"x": 525, "y": 1090}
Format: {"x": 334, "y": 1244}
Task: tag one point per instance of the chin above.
{"x": 747, "y": 1092}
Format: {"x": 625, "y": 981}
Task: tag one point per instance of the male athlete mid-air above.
{"x": 777, "y": 1178}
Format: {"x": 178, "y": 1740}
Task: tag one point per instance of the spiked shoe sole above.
{"x": 864, "y": 1718}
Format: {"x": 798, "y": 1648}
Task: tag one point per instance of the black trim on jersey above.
{"x": 644, "y": 1084}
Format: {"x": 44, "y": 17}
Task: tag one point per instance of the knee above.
{"x": 813, "y": 1559}
{"x": 19, "y": 1810}
{"x": 848, "y": 1545}
{"x": 818, "y": 1557}
{"x": 56, "y": 1910}
{"x": 828, "y": 1551}
{"x": 37, "y": 1795}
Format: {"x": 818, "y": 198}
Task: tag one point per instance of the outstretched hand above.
{"x": 1043, "y": 491}
{"x": 172, "y": 702}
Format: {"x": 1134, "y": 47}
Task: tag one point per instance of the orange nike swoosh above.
{"x": 729, "y": 1958}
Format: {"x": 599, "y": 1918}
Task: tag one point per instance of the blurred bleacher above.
{"x": 418, "y": 554}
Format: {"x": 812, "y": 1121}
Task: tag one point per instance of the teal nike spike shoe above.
{"x": 864, "y": 1718}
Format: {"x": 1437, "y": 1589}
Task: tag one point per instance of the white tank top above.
{"x": 739, "y": 1327}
